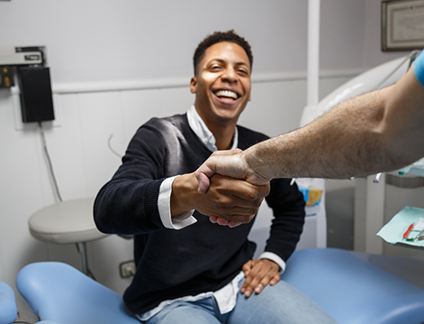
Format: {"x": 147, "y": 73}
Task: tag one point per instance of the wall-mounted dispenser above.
{"x": 28, "y": 64}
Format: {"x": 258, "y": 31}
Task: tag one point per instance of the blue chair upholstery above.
{"x": 351, "y": 290}
{"x": 8, "y": 310}
{"x": 348, "y": 288}
{"x": 59, "y": 293}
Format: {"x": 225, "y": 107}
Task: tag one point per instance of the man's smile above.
{"x": 224, "y": 94}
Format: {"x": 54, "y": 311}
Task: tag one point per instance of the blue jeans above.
{"x": 281, "y": 303}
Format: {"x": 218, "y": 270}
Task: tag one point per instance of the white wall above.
{"x": 139, "y": 54}
{"x": 111, "y": 39}
{"x": 122, "y": 40}
{"x": 373, "y": 55}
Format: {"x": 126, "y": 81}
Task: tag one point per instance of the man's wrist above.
{"x": 164, "y": 206}
{"x": 275, "y": 258}
{"x": 255, "y": 164}
{"x": 182, "y": 187}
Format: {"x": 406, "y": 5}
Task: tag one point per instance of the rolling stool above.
{"x": 67, "y": 222}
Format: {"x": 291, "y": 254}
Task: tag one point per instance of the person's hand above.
{"x": 230, "y": 201}
{"x": 229, "y": 163}
{"x": 259, "y": 273}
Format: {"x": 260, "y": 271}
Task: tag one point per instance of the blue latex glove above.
{"x": 419, "y": 67}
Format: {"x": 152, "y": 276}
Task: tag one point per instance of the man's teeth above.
{"x": 226, "y": 93}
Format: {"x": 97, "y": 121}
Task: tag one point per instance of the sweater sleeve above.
{"x": 288, "y": 207}
{"x": 127, "y": 204}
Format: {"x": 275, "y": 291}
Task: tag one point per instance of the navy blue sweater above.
{"x": 199, "y": 258}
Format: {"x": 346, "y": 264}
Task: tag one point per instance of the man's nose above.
{"x": 229, "y": 74}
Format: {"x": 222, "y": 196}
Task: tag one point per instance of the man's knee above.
{"x": 281, "y": 303}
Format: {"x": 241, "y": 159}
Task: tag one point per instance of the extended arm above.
{"x": 378, "y": 131}
{"x": 129, "y": 203}
{"x": 374, "y": 132}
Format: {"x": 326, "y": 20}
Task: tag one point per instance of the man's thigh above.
{"x": 281, "y": 303}
{"x": 186, "y": 313}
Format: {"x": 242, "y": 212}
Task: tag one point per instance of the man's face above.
{"x": 222, "y": 84}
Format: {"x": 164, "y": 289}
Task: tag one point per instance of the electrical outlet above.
{"x": 127, "y": 269}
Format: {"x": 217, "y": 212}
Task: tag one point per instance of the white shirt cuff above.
{"x": 164, "y": 206}
{"x": 273, "y": 257}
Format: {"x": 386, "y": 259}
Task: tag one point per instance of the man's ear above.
{"x": 193, "y": 85}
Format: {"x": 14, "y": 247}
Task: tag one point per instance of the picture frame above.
{"x": 402, "y": 25}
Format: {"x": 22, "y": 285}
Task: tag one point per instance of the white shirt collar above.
{"x": 199, "y": 127}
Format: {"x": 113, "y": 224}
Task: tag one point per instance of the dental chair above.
{"x": 61, "y": 294}
{"x": 349, "y": 289}
{"x": 8, "y": 311}
{"x": 353, "y": 291}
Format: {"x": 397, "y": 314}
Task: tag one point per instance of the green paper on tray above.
{"x": 394, "y": 230}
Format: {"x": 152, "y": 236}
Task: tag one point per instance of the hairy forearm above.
{"x": 337, "y": 145}
{"x": 362, "y": 136}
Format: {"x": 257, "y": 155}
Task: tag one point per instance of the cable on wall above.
{"x": 49, "y": 162}
{"x": 109, "y": 144}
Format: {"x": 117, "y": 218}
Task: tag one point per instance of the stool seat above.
{"x": 65, "y": 222}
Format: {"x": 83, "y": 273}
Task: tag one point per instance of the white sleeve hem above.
{"x": 273, "y": 257}
{"x": 164, "y": 207}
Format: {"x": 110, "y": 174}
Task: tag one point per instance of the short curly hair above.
{"x": 218, "y": 37}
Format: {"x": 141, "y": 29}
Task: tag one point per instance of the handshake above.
{"x": 243, "y": 184}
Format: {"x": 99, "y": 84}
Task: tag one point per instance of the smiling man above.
{"x": 190, "y": 270}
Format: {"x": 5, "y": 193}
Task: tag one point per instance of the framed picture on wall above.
{"x": 402, "y": 25}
